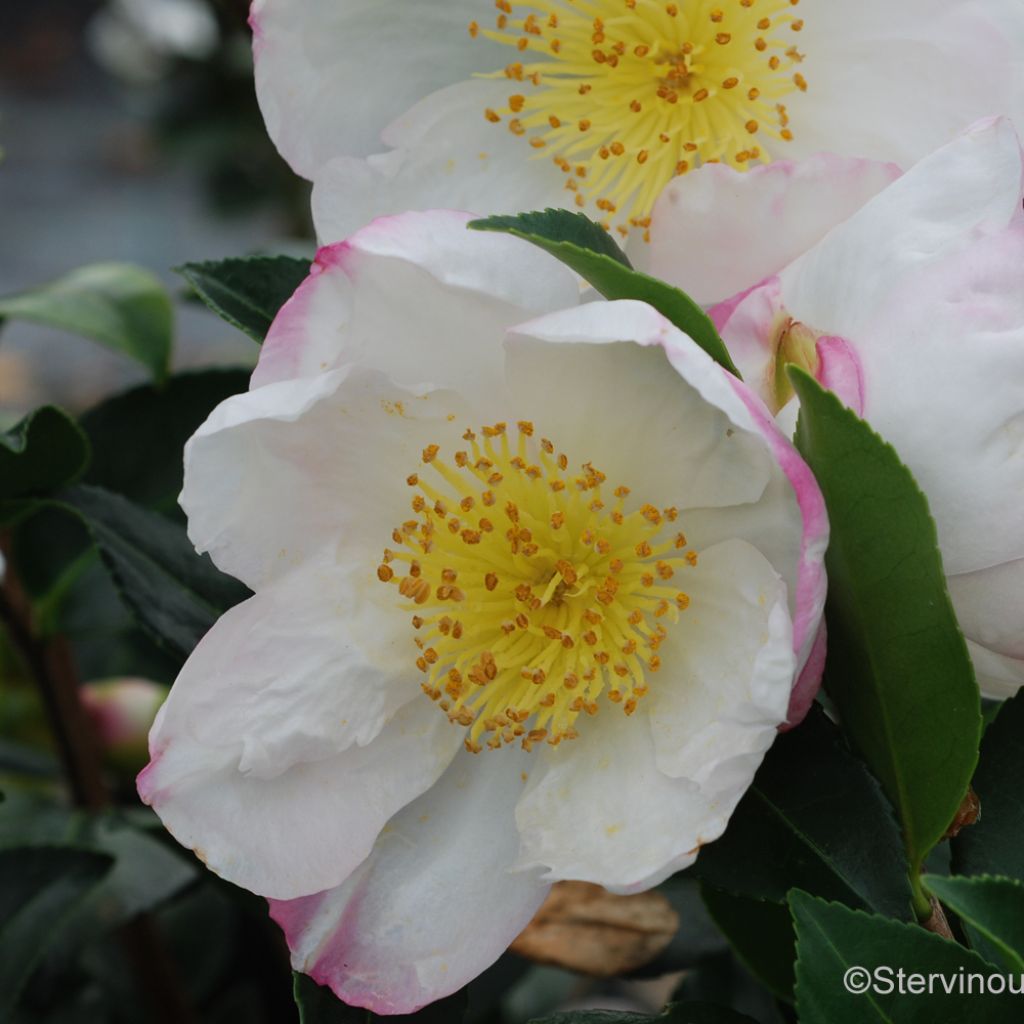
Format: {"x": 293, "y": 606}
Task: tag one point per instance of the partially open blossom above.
{"x": 122, "y": 713}
{"x": 531, "y": 602}
{"x": 390, "y": 105}
{"x": 912, "y": 310}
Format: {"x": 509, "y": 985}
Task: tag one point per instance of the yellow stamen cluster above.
{"x": 626, "y": 94}
{"x": 535, "y": 597}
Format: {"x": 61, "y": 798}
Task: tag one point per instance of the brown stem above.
{"x": 52, "y": 668}
{"x": 51, "y": 664}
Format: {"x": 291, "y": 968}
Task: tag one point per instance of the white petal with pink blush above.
{"x": 536, "y": 588}
{"x": 911, "y": 310}
{"x": 390, "y": 105}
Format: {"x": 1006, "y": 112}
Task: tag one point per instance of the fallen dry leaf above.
{"x": 583, "y": 928}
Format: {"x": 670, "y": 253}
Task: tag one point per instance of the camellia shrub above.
{"x": 554, "y": 606}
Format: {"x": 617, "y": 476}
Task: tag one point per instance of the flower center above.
{"x": 533, "y": 600}
{"x": 630, "y": 93}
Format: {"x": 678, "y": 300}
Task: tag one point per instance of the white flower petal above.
{"x": 989, "y": 606}
{"x": 446, "y": 154}
{"x": 295, "y": 730}
{"x": 967, "y": 189}
{"x": 277, "y": 474}
{"x": 998, "y": 676}
{"x": 943, "y": 367}
{"x": 893, "y": 81}
{"x": 728, "y": 667}
{"x": 434, "y": 904}
{"x": 602, "y": 382}
{"x": 330, "y": 75}
{"x": 709, "y": 233}
{"x": 419, "y": 296}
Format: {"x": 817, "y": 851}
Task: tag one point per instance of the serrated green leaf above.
{"x": 40, "y": 888}
{"x": 832, "y": 940}
{"x": 550, "y": 227}
{"x": 247, "y": 292}
{"x": 898, "y": 668}
{"x": 994, "y": 845}
{"x": 830, "y": 830}
{"x": 591, "y": 252}
{"x": 138, "y": 436}
{"x": 992, "y": 906}
{"x": 761, "y": 935}
{"x": 44, "y": 451}
{"x": 120, "y": 306}
{"x": 319, "y": 1005}
{"x": 175, "y": 593}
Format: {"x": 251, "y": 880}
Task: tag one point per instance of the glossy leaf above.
{"x": 898, "y": 669}
{"x": 994, "y": 845}
{"x": 829, "y": 831}
{"x": 138, "y": 436}
{"x": 247, "y": 292}
{"x": 993, "y": 907}
{"x": 175, "y": 594}
{"x": 761, "y": 935}
{"x": 591, "y": 252}
{"x": 44, "y": 451}
{"x": 120, "y": 306}
{"x": 40, "y": 888}
{"x": 834, "y": 942}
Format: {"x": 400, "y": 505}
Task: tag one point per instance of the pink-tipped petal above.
{"x": 839, "y": 370}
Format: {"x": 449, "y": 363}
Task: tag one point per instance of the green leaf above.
{"x": 674, "y": 1013}
{"x": 175, "y": 594}
{"x": 247, "y": 292}
{"x": 39, "y": 890}
{"x": 994, "y": 845}
{"x": 557, "y": 232}
{"x": 832, "y": 940}
{"x": 319, "y": 1005}
{"x": 898, "y": 669}
{"x": 44, "y": 451}
{"x": 760, "y": 933}
{"x": 994, "y": 907}
{"x": 138, "y": 436}
{"x": 830, "y": 831}
{"x": 123, "y": 307}
{"x": 591, "y": 252}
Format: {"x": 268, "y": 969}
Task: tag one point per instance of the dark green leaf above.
{"x": 319, "y": 1005}
{"x": 44, "y": 451}
{"x": 994, "y": 845}
{"x": 247, "y": 292}
{"x": 832, "y": 939}
{"x": 553, "y": 228}
{"x": 675, "y": 1013}
{"x": 39, "y": 889}
{"x": 176, "y": 594}
{"x": 123, "y": 307}
{"x": 591, "y": 252}
{"x": 761, "y": 933}
{"x": 137, "y": 437}
{"x": 993, "y": 907}
{"x": 898, "y": 668}
{"x": 828, "y": 830}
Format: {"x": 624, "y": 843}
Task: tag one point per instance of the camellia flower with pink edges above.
{"x": 389, "y": 105}
{"x": 912, "y": 310}
{"x": 531, "y": 603}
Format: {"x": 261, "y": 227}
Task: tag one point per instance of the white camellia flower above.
{"x": 531, "y": 603}
{"x": 912, "y": 310}
{"x": 389, "y": 105}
